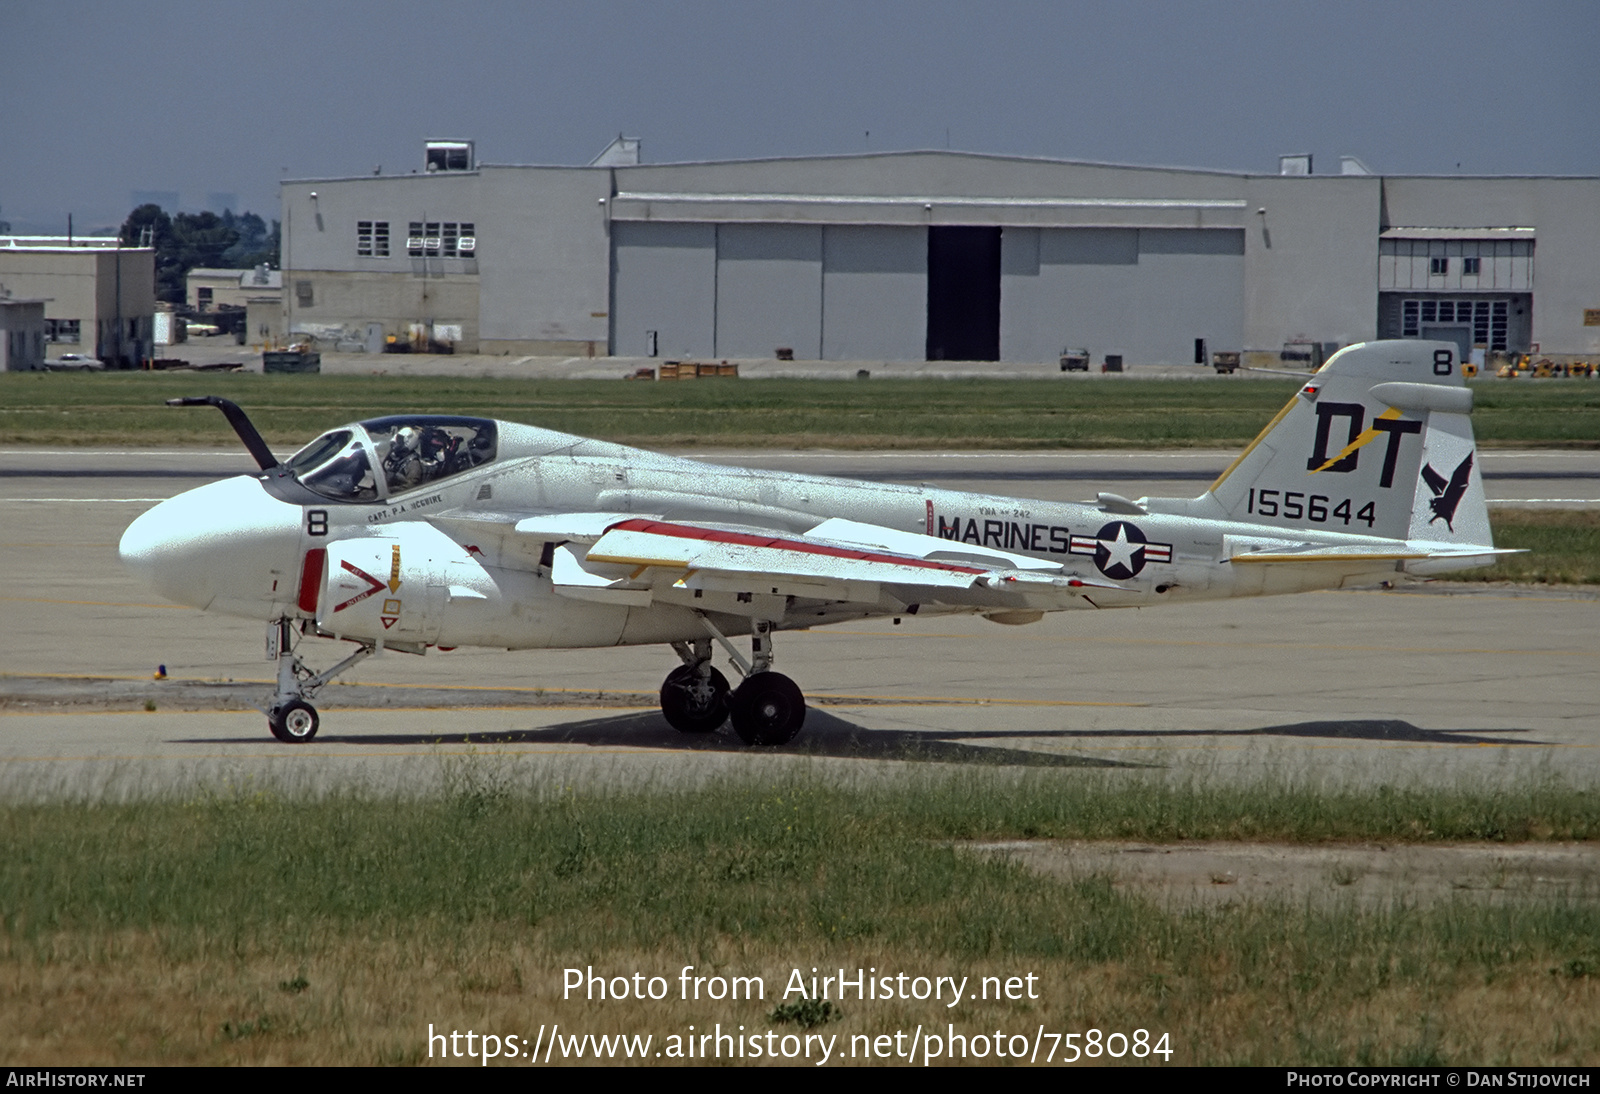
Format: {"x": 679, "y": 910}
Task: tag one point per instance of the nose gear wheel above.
{"x": 294, "y": 722}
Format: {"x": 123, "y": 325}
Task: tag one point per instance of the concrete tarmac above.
{"x": 1471, "y": 683}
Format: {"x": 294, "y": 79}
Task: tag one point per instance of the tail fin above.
{"x": 1377, "y": 442}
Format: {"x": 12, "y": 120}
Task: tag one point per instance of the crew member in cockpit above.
{"x": 403, "y": 463}
{"x": 439, "y": 453}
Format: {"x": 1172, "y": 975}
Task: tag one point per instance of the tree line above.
{"x": 185, "y": 241}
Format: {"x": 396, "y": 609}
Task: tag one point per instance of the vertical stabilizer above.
{"x": 1377, "y": 442}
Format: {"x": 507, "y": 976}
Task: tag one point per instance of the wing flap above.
{"x": 571, "y": 577}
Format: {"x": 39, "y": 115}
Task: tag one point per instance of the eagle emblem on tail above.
{"x": 1447, "y": 494}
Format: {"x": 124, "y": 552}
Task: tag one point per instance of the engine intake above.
{"x": 410, "y": 584}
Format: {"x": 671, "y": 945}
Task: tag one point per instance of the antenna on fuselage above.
{"x": 241, "y": 425}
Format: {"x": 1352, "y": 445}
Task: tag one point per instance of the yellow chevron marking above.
{"x": 1366, "y": 437}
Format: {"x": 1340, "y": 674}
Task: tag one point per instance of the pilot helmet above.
{"x": 434, "y": 442}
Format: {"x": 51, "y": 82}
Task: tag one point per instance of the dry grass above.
{"x": 142, "y": 998}
{"x": 250, "y": 926}
{"x": 1562, "y": 545}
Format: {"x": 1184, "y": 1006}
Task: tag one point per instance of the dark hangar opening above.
{"x": 963, "y": 294}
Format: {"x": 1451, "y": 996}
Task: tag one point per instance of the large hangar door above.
{"x": 664, "y": 279}
{"x": 769, "y": 290}
{"x": 874, "y": 292}
{"x": 963, "y": 294}
{"x": 1144, "y": 293}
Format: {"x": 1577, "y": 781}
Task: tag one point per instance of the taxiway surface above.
{"x": 1481, "y": 682}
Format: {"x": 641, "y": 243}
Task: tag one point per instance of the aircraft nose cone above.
{"x": 228, "y": 540}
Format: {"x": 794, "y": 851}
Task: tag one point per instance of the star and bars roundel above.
{"x": 1120, "y": 550}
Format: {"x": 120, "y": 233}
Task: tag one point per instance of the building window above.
{"x": 372, "y": 238}
{"x": 449, "y": 156}
{"x": 61, "y": 330}
{"x": 1438, "y": 267}
{"x": 1470, "y": 266}
{"x": 442, "y": 239}
{"x": 302, "y": 293}
{"x": 202, "y": 299}
{"x": 1487, "y": 318}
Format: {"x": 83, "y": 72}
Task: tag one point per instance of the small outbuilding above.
{"x": 21, "y": 334}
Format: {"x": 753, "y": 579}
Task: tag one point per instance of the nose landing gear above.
{"x": 290, "y": 716}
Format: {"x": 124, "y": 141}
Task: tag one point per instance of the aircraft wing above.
{"x": 832, "y": 567}
{"x": 633, "y": 559}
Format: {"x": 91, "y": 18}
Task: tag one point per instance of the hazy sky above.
{"x": 102, "y": 99}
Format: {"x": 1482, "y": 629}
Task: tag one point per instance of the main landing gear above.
{"x": 290, "y": 716}
{"x": 766, "y": 709}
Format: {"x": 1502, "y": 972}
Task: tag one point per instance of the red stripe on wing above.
{"x": 745, "y": 539}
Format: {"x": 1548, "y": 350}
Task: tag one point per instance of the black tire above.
{"x": 295, "y": 722}
{"x": 694, "y": 704}
{"x": 767, "y": 709}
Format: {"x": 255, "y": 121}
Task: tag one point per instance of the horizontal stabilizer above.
{"x": 1418, "y": 557}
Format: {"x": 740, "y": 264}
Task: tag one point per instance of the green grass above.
{"x": 1563, "y": 548}
{"x": 253, "y": 926}
{"x": 781, "y": 861}
{"x": 126, "y": 408}
{"x": 1542, "y": 413}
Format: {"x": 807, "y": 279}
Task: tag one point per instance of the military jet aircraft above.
{"x": 424, "y": 530}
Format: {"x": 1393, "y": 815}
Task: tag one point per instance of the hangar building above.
{"x": 935, "y": 256}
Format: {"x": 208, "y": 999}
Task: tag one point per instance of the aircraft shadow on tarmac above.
{"x": 827, "y": 735}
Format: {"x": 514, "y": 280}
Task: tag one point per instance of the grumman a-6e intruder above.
{"x": 425, "y": 530}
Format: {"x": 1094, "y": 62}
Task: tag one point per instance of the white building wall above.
{"x": 874, "y": 293}
{"x": 333, "y": 292}
{"x": 769, "y": 290}
{"x": 1144, "y": 293}
{"x": 1311, "y": 261}
{"x": 664, "y": 279}
{"x": 544, "y": 258}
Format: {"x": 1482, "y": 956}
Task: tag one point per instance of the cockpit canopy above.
{"x": 384, "y": 457}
